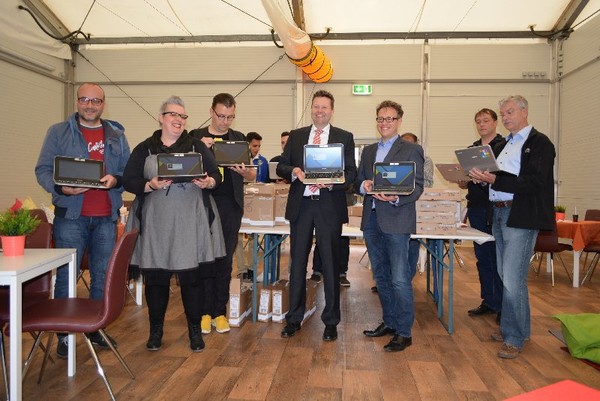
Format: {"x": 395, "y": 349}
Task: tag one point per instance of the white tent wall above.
{"x": 579, "y": 181}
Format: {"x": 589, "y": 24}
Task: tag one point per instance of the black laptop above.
{"x": 180, "y": 167}
{"x": 78, "y": 172}
{"x": 232, "y": 153}
{"x": 393, "y": 178}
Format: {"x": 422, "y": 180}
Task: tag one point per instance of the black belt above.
{"x": 501, "y": 204}
{"x": 312, "y": 197}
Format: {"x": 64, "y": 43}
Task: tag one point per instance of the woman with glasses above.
{"x": 180, "y": 228}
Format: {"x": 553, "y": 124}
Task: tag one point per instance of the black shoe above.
{"x": 196, "y": 342}
{"x": 380, "y": 331}
{"x": 498, "y": 317}
{"x": 374, "y": 289}
{"x": 330, "y": 333}
{"x": 98, "y": 341}
{"x": 398, "y": 343}
{"x": 290, "y": 329}
{"x": 316, "y": 277}
{"x": 155, "y": 339}
{"x": 480, "y": 310}
{"x": 248, "y": 275}
{"x": 344, "y": 281}
{"x": 62, "y": 348}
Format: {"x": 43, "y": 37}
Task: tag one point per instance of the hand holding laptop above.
{"x": 368, "y": 186}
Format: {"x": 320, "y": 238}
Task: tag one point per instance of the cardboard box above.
{"x": 280, "y": 300}
{"x": 441, "y": 194}
{"x": 281, "y": 198}
{"x": 240, "y": 302}
{"x": 354, "y": 221}
{"x": 438, "y": 217}
{"x": 311, "y": 299}
{"x": 264, "y": 303}
{"x": 259, "y": 210}
{"x": 355, "y": 210}
{"x": 436, "y": 228}
{"x": 438, "y": 206}
{"x": 259, "y": 188}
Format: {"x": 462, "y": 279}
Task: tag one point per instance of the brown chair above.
{"x": 547, "y": 242}
{"x": 594, "y": 248}
{"x": 34, "y": 290}
{"x": 80, "y": 315}
{"x": 40, "y": 214}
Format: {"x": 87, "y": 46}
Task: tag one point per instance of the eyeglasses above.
{"x": 386, "y": 119}
{"x": 223, "y": 117}
{"x": 85, "y": 100}
{"x": 175, "y": 114}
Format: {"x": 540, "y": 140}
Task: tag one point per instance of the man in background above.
{"x": 229, "y": 197}
{"x": 315, "y": 208}
{"x": 262, "y": 166}
{"x": 85, "y": 218}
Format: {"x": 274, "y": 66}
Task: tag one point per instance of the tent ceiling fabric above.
{"x": 160, "y": 21}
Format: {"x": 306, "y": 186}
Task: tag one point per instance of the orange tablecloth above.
{"x": 581, "y": 232}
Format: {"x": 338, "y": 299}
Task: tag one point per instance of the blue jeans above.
{"x": 491, "y": 285}
{"x": 393, "y": 276}
{"x": 514, "y": 247}
{"x": 98, "y": 235}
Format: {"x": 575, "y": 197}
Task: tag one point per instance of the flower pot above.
{"x": 560, "y": 216}
{"x": 13, "y": 246}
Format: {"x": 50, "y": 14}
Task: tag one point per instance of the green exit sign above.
{"x": 362, "y": 89}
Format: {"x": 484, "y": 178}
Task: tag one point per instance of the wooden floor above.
{"x": 254, "y": 363}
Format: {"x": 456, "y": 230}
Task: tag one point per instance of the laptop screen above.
{"x": 70, "y": 168}
{"x": 328, "y": 157}
{"x": 398, "y": 176}
{"x": 179, "y": 165}
{"x": 232, "y": 152}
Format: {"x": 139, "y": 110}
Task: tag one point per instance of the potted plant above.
{"x": 15, "y": 225}
{"x": 559, "y": 212}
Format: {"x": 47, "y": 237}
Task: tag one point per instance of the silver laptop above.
{"x": 273, "y": 171}
{"x": 452, "y": 172}
{"x": 78, "y": 172}
{"x": 394, "y": 178}
{"x": 324, "y": 164}
{"x": 231, "y": 153}
{"x": 480, "y": 157}
{"x": 180, "y": 167}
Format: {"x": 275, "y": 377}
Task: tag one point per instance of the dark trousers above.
{"x": 491, "y": 284}
{"x": 216, "y": 289}
{"x": 157, "y": 295}
{"x": 301, "y": 239}
{"x": 344, "y": 257}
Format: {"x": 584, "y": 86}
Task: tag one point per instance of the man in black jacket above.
{"x": 229, "y": 197}
{"x": 522, "y": 195}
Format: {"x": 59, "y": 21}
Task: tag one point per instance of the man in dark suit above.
{"x": 321, "y": 208}
{"x": 229, "y": 197}
{"x": 387, "y": 222}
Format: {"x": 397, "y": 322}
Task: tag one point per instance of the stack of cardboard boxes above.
{"x": 264, "y": 204}
{"x": 355, "y": 215}
{"x": 438, "y": 211}
{"x": 273, "y": 301}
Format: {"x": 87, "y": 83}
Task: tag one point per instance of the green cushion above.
{"x": 582, "y": 334}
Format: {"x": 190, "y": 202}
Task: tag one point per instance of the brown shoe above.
{"x": 508, "y": 351}
{"x": 497, "y": 336}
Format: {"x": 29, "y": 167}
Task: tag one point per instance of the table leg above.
{"x": 16, "y": 337}
{"x": 451, "y": 252}
{"x": 71, "y": 365}
{"x": 576, "y": 256}
{"x": 254, "y": 283}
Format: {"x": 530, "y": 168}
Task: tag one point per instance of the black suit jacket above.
{"x": 332, "y": 201}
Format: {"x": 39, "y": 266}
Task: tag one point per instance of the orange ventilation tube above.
{"x": 297, "y": 44}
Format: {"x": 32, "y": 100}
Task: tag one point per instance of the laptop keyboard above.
{"x": 313, "y": 175}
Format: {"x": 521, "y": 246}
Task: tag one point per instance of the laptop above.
{"x": 324, "y": 164}
{"x": 273, "y": 171}
{"x": 78, "y": 172}
{"x": 480, "y": 157}
{"x": 231, "y": 153}
{"x": 180, "y": 167}
{"x": 452, "y": 172}
{"x": 397, "y": 178}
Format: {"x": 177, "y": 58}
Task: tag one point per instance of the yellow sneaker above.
{"x": 205, "y": 324}
{"x": 221, "y": 324}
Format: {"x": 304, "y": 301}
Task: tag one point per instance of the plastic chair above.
{"x": 547, "y": 242}
{"x": 34, "y": 290}
{"x": 80, "y": 315}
